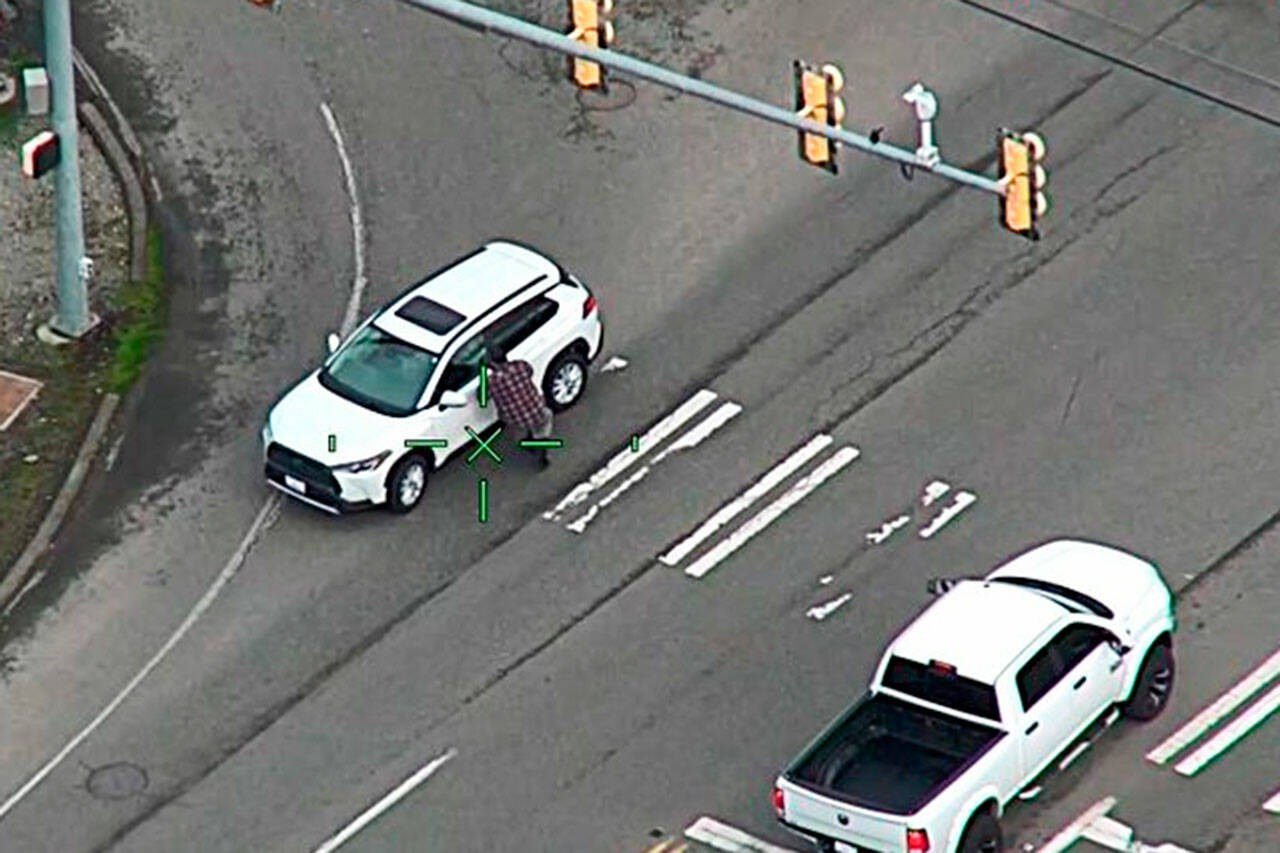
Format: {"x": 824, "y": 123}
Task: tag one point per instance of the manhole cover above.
{"x": 118, "y": 781}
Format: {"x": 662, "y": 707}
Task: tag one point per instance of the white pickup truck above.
{"x": 976, "y": 696}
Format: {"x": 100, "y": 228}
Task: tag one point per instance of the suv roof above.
{"x": 428, "y": 314}
{"x": 979, "y": 628}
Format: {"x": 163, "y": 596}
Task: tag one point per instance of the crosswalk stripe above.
{"x": 770, "y": 514}
{"x": 627, "y": 457}
{"x": 1238, "y": 728}
{"x": 690, "y": 439}
{"x": 761, "y": 487}
{"x": 1225, "y": 704}
{"x": 1273, "y": 805}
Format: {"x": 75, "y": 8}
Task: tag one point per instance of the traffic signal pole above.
{"x": 484, "y": 20}
{"x": 73, "y": 269}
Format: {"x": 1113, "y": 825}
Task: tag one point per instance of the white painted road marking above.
{"x": 769, "y": 514}
{"x": 721, "y": 836}
{"x": 615, "y": 363}
{"x": 962, "y": 501}
{"x": 1225, "y": 704}
{"x": 1071, "y": 832}
{"x": 357, "y": 223}
{"x": 757, "y": 490}
{"x": 1273, "y": 805}
{"x": 690, "y": 439}
{"x": 933, "y": 491}
{"x": 822, "y": 611}
{"x": 626, "y": 457}
{"x": 371, "y": 814}
{"x": 1238, "y": 728}
{"x": 266, "y": 516}
{"x": 886, "y": 530}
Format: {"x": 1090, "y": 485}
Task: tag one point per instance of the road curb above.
{"x": 113, "y": 137}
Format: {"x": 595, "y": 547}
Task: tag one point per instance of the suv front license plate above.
{"x": 295, "y": 484}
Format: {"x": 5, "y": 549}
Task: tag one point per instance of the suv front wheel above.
{"x": 407, "y": 483}
{"x": 565, "y": 380}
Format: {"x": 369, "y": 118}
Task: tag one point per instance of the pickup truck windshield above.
{"x": 949, "y": 691}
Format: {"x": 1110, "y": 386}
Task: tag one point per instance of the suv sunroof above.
{"x": 432, "y": 316}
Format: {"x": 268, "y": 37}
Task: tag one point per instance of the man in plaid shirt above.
{"x": 520, "y": 404}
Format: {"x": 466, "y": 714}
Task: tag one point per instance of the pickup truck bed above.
{"x": 891, "y": 756}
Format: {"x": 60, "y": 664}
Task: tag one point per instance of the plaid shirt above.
{"x": 519, "y": 402}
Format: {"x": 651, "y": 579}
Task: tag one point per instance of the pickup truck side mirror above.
{"x": 452, "y": 400}
{"x": 1119, "y": 647}
{"x": 332, "y": 342}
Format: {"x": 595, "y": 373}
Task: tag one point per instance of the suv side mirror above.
{"x": 333, "y": 341}
{"x": 452, "y": 400}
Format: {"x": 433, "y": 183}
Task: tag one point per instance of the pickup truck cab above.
{"x": 974, "y": 699}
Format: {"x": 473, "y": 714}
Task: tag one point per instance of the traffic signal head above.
{"x": 588, "y": 26}
{"x": 817, "y": 99}
{"x": 1023, "y": 178}
{"x": 40, "y": 154}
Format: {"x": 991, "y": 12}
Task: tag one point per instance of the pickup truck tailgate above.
{"x": 807, "y": 810}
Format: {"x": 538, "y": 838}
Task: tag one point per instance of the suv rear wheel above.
{"x": 565, "y": 380}
{"x": 407, "y": 483}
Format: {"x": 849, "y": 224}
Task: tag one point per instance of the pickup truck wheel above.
{"x": 982, "y": 835}
{"x": 1155, "y": 682}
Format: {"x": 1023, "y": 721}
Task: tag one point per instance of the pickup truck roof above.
{"x": 982, "y": 626}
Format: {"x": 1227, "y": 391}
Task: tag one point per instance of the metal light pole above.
{"x": 73, "y": 269}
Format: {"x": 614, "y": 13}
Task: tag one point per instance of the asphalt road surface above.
{"x": 549, "y": 682}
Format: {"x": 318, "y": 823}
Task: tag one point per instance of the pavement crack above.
{"x": 1071, "y": 398}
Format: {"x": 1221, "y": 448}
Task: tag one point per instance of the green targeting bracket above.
{"x": 425, "y": 442}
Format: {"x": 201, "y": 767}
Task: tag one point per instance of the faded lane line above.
{"x": 690, "y": 439}
{"x": 625, "y": 458}
{"x": 1225, "y": 704}
{"x": 761, "y": 487}
{"x": 721, "y": 836}
{"x": 770, "y": 514}
{"x": 357, "y": 224}
{"x": 371, "y": 814}
{"x": 1071, "y": 832}
{"x": 266, "y": 516}
{"x": 1238, "y": 728}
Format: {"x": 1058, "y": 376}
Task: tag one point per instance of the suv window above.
{"x": 517, "y": 326}
{"x": 1038, "y": 675}
{"x": 464, "y": 366}
{"x": 949, "y": 691}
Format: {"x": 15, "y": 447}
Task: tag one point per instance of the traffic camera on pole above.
{"x": 40, "y": 154}
{"x": 817, "y": 98}
{"x": 1022, "y": 179}
{"x": 588, "y": 25}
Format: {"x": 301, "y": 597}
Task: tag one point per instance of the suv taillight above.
{"x": 779, "y": 801}
{"x": 588, "y": 307}
{"x": 917, "y": 841}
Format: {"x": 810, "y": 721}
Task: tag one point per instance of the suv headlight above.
{"x": 364, "y": 464}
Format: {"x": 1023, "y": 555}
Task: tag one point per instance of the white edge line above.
{"x": 625, "y": 458}
{"x": 357, "y": 223}
{"x": 370, "y": 814}
{"x": 1239, "y": 727}
{"x": 1273, "y": 805}
{"x": 753, "y": 493}
{"x": 1071, "y": 832}
{"x": 1224, "y": 705}
{"x": 770, "y": 514}
{"x": 271, "y": 505}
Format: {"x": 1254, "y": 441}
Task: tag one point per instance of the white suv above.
{"x": 350, "y": 434}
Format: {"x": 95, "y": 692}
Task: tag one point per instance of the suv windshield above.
{"x": 380, "y": 371}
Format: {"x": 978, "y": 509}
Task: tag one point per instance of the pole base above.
{"x": 56, "y": 337}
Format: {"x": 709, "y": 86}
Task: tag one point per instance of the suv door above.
{"x": 462, "y": 374}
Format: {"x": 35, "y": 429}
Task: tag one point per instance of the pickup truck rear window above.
{"x": 949, "y": 691}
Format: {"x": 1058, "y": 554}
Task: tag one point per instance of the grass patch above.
{"x": 139, "y": 325}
